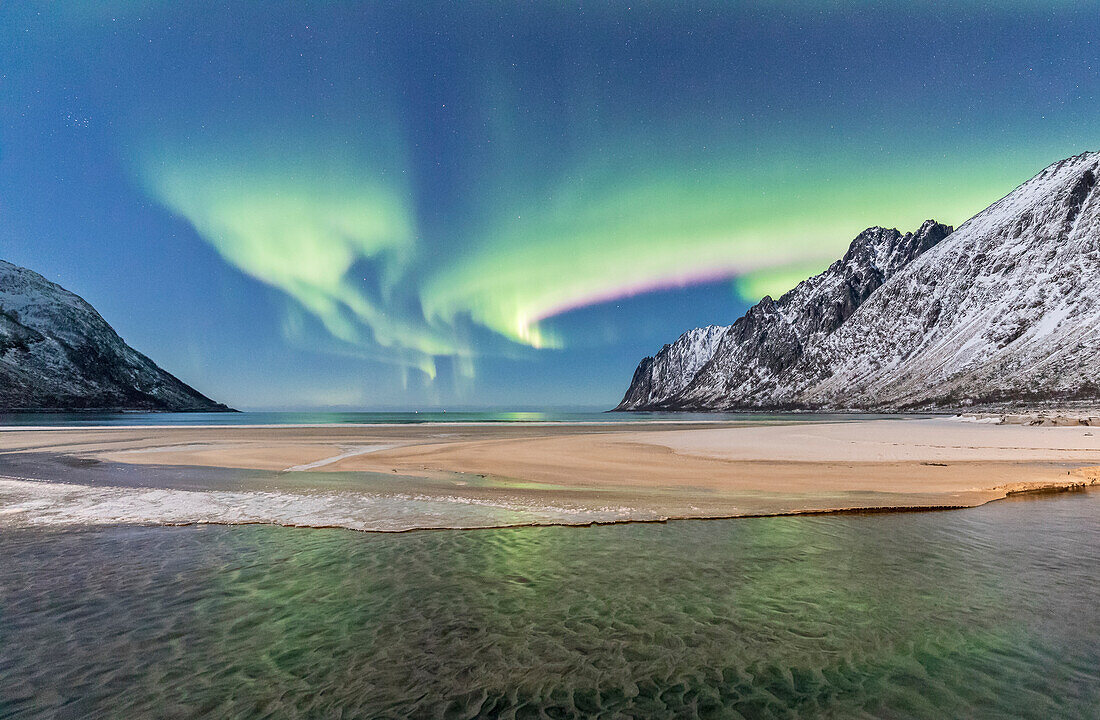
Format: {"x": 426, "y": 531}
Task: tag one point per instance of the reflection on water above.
{"x": 988, "y": 612}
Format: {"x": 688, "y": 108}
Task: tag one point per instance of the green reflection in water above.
{"x": 981, "y": 613}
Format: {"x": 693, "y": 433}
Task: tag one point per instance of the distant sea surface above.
{"x": 85, "y": 419}
{"x": 982, "y": 613}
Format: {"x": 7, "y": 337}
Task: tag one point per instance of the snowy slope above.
{"x": 56, "y": 352}
{"x": 751, "y": 357}
{"x": 1005, "y": 310}
{"x": 660, "y": 377}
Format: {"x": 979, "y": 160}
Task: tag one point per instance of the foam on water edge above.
{"x": 32, "y": 503}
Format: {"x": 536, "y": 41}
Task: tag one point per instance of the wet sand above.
{"x": 607, "y": 472}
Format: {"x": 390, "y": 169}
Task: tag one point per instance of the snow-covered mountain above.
{"x": 57, "y": 353}
{"x": 1004, "y": 310}
{"x": 754, "y": 352}
{"x": 660, "y": 377}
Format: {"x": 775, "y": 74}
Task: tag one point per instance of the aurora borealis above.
{"x": 368, "y": 204}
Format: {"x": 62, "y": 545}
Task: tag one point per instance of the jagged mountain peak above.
{"x": 1006, "y": 308}
{"x": 888, "y": 249}
{"x": 659, "y": 376}
{"x": 774, "y": 332}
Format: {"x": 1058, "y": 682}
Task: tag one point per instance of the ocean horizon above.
{"x": 92, "y": 418}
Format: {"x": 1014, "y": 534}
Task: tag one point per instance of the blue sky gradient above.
{"x": 412, "y": 205}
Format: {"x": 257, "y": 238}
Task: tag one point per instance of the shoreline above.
{"x": 1037, "y": 493}
{"x": 404, "y": 477}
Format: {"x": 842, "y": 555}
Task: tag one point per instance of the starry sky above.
{"x": 379, "y": 205}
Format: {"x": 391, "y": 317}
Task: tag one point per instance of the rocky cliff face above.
{"x": 1005, "y": 309}
{"x": 57, "y": 353}
{"x": 660, "y": 377}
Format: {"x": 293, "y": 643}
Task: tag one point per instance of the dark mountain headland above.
{"x": 58, "y": 354}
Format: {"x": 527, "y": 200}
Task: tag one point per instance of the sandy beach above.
{"x": 585, "y": 472}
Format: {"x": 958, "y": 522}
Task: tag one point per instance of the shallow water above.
{"x": 989, "y": 612}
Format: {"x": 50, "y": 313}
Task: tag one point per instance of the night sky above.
{"x": 410, "y": 205}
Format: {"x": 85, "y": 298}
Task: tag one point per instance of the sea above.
{"x": 92, "y": 419}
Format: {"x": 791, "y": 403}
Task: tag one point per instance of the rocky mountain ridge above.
{"x": 58, "y": 353}
{"x": 1005, "y": 310}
